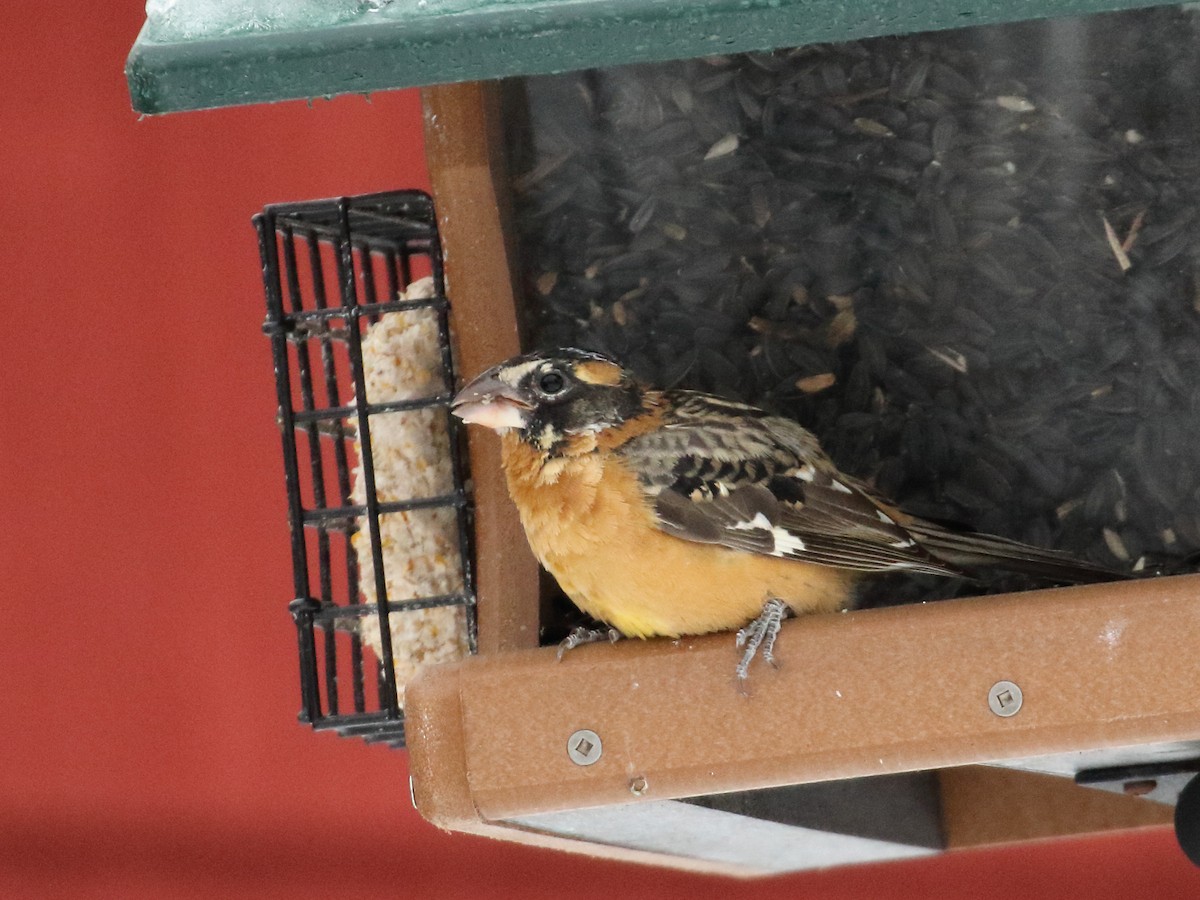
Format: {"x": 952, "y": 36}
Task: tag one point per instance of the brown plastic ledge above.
{"x": 865, "y": 693}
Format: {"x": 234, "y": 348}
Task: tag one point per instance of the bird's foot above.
{"x": 583, "y": 635}
{"x": 760, "y": 635}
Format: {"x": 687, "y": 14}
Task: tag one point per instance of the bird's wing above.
{"x": 723, "y": 473}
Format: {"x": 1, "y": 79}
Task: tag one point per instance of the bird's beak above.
{"x": 492, "y": 403}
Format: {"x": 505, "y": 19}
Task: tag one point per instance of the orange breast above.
{"x": 588, "y": 522}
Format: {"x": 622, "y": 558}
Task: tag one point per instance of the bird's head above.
{"x": 549, "y": 396}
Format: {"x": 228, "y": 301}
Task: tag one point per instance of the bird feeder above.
{"x": 960, "y": 242}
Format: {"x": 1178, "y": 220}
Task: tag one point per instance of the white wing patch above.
{"x": 759, "y": 521}
{"x": 786, "y": 543}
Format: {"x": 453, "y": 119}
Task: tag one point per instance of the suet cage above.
{"x": 968, "y": 258}
{"x": 333, "y": 271}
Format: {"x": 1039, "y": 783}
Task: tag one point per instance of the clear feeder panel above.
{"x": 967, "y": 260}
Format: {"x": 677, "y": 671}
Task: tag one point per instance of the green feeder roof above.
{"x": 310, "y": 49}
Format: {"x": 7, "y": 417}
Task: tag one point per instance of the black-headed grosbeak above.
{"x": 669, "y": 513}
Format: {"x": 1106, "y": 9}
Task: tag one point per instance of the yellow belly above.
{"x": 588, "y": 524}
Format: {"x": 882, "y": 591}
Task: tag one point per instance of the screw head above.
{"x": 638, "y": 785}
{"x": 584, "y": 747}
{"x": 1005, "y": 699}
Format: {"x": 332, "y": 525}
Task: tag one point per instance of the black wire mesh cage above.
{"x": 374, "y": 466}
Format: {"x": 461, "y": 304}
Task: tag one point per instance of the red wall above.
{"x": 147, "y": 665}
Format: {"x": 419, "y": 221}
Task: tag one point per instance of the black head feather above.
{"x": 549, "y": 396}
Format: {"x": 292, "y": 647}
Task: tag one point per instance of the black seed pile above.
{"x": 969, "y": 261}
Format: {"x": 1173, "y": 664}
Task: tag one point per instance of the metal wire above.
{"x": 301, "y": 246}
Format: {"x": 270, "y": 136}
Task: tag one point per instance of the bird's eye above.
{"x": 551, "y": 383}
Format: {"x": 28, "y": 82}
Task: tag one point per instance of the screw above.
{"x": 638, "y": 785}
{"x": 1005, "y": 699}
{"x": 584, "y": 747}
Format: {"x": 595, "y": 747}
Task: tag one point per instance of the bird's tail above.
{"x": 969, "y": 550}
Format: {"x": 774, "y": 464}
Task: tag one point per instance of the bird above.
{"x": 666, "y": 513}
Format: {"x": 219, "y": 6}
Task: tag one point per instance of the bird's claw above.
{"x": 583, "y": 635}
{"x": 758, "y": 636}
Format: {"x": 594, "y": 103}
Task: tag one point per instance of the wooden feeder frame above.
{"x": 1106, "y": 671}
